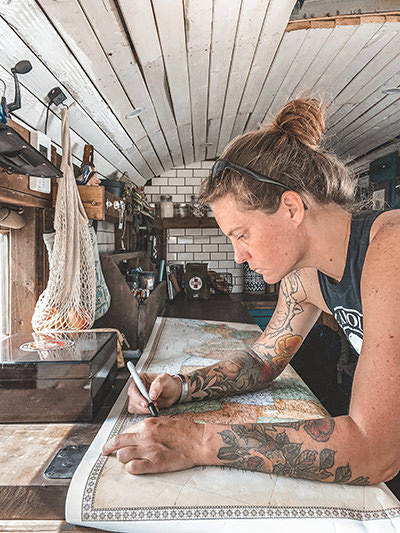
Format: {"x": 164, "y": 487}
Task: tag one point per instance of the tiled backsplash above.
{"x": 199, "y": 245}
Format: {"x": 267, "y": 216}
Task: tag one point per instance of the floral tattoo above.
{"x": 262, "y": 448}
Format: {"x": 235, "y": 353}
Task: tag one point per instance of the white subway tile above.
{"x": 202, "y": 256}
{"x": 176, "y": 248}
{"x": 213, "y": 264}
{"x": 211, "y": 231}
{"x": 201, "y": 239}
{"x": 167, "y": 190}
{"x": 207, "y": 164}
{"x": 185, "y": 240}
{"x": 177, "y": 231}
{"x": 178, "y": 198}
{"x": 225, "y": 247}
{"x": 172, "y": 240}
{"x": 169, "y": 174}
{"x": 220, "y": 256}
{"x": 193, "y": 231}
{"x": 157, "y": 181}
{"x": 176, "y": 181}
{"x": 152, "y": 190}
{"x": 203, "y": 173}
{"x": 193, "y": 181}
{"x": 183, "y": 189}
{"x": 171, "y": 256}
{"x": 226, "y": 264}
{"x": 185, "y": 173}
{"x": 210, "y": 247}
{"x": 218, "y": 239}
{"x": 193, "y": 248}
{"x": 185, "y": 256}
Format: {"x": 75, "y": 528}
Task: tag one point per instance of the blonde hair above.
{"x": 287, "y": 150}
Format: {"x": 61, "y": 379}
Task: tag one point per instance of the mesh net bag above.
{"x": 69, "y": 299}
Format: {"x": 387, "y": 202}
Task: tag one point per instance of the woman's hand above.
{"x": 158, "y": 445}
{"x": 164, "y": 390}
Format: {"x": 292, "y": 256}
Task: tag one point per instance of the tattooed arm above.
{"x": 250, "y": 369}
{"x": 254, "y": 368}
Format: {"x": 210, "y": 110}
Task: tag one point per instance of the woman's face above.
{"x": 272, "y": 244}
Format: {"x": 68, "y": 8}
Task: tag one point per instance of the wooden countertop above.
{"x": 226, "y": 307}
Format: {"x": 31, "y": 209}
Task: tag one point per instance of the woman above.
{"x": 286, "y": 204}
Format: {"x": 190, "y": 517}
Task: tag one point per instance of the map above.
{"x": 102, "y": 494}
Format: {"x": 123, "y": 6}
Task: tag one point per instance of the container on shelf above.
{"x": 252, "y": 281}
{"x": 167, "y": 207}
{"x": 197, "y": 210}
{"x": 182, "y": 210}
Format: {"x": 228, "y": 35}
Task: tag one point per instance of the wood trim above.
{"x": 189, "y": 222}
{"x": 343, "y": 20}
{"x": 28, "y": 270}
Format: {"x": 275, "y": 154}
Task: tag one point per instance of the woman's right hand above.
{"x": 164, "y": 390}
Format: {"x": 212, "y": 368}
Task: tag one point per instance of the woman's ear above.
{"x": 294, "y": 205}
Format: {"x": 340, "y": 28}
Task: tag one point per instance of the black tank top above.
{"x": 344, "y": 298}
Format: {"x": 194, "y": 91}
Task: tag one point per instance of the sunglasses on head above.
{"x": 221, "y": 164}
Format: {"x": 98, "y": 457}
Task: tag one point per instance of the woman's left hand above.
{"x": 159, "y": 444}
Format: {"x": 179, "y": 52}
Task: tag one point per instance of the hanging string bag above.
{"x": 69, "y": 299}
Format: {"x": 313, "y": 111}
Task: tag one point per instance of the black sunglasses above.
{"x": 221, "y": 164}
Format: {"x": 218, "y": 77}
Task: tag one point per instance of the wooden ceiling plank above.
{"x": 363, "y": 106}
{"x": 170, "y": 21}
{"x": 225, "y": 20}
{"x": 377, "y": 109}
{"x": 385, "y": 132}
{"x": 339, "y": 72}
{"x": 198, "y": 16}
{"x": 279, "y": 68}
{"x": 337, "y": 39}
{"x": 314, "y": 40}
{"x": 139, "y": 20}
{"x": 107, "y": 25}
{"x": 29, "y": 22}
{"x": 272, "y": 33}
{"x": 71, "y": 22}
{"x": 362, "y": 71}
{"x": 251, "y": 19}
{"x": 39, "y": 81}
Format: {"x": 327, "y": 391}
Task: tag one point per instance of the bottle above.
{"x": 167, "y": 207}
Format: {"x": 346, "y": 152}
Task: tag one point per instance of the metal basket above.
{"x": 219, "y": 282}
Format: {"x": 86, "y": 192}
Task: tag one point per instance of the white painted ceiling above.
{"x": 203, "y": 71}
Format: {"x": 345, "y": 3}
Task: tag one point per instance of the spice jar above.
{"x": 167, "y": 207}
{"x": 183, "y": 210}
{"x": 197, "y": 209}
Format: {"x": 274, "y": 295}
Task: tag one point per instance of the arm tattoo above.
{"x": 294, "y": 294}
{"x": 253, "y": 369}
{"x": 262, "y": 448}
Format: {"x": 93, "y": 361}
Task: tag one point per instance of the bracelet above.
{"x": 185, "y": 388}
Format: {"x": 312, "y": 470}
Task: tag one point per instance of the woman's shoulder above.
{"x": 385, "y": 224}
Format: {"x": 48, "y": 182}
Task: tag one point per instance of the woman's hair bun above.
{"x": 302, "y": 118}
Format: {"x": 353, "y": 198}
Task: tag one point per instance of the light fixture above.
{"x": 391, "y": 90}
{"x": 135, "y": 113}
{"x": 22, "y": 67}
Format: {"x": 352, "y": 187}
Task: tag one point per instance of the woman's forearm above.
{"x": 327, "y": 449}
{"x": 247, "y": 371}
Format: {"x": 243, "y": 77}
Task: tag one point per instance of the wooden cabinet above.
{"x": 132, "y": 319}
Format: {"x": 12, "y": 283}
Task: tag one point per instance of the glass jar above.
{"x": 182, "y": 210}
{"x": 197, "y": 209}
{"x": 167, "y": 207}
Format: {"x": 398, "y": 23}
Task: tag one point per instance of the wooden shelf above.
{"x": 189, "y": 222}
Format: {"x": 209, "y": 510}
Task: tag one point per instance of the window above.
{"x": 4, "y": 286}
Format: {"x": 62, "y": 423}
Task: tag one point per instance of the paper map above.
{"x": 103, "y": 495}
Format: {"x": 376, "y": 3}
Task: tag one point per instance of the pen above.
{"x": 142, "y": 389}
